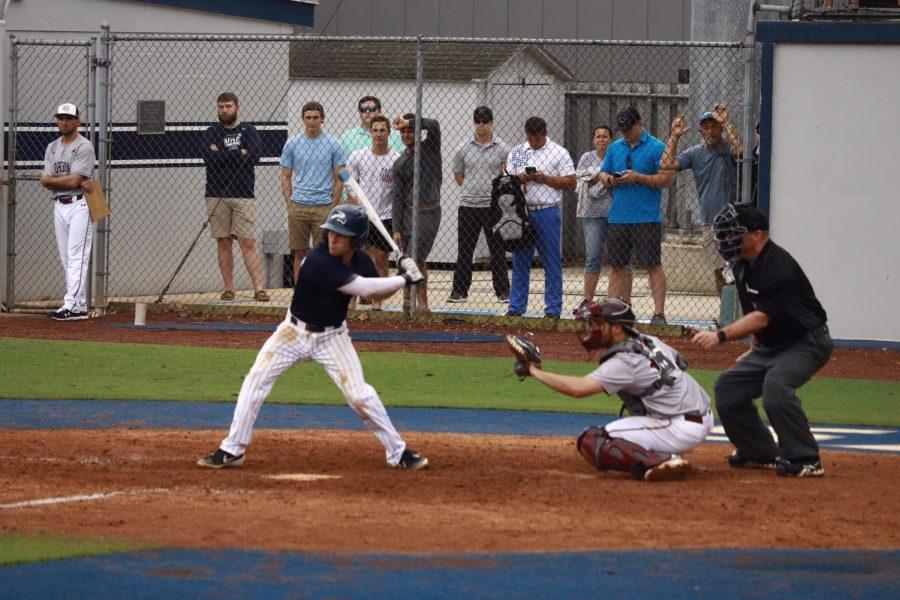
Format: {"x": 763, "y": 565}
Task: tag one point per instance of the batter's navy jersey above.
{"x": 317, "y": 299}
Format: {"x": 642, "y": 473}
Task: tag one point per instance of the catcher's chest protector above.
{"x": 643, "y": 345}
{"x": 512, "y": 224}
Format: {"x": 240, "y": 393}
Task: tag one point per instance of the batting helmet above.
{"x": 731, "y": 225}
{"x": 349, "y": 220}
{"x": 591, "y": 315}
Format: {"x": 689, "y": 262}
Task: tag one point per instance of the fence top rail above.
{"x": 151, "y": 37}
{"x": 48, "y": 42}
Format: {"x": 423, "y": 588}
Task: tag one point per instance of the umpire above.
{"x": 790, "y": 343}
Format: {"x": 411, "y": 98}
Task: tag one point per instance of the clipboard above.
{"x": 97, "y": 203}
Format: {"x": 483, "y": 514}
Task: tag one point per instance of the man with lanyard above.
{"x": 631, "y": 170}
{"x": 790, "y": 343}
{"x": 545, "y": 169}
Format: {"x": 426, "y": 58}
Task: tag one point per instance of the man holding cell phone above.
{"x": 631, "y": 169}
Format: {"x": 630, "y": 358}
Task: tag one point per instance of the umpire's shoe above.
{"x": 799, "y": 468}
{"x": 738, "y": 461}
{"x": 411, "y": 460}
{"x": 220, "y": 460}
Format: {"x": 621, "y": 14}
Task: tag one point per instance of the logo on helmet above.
{"x": 339, "y": 216}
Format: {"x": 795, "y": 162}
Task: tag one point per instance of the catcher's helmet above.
{"x": 731, "y": 225}
{"x": 349, "y": 220}
{"x": 590, "y": 315}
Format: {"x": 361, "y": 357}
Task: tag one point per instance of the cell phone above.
{"x": 531, "y": 170}
{"x": 618, "y": 174}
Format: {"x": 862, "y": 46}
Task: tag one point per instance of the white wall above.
{"x": 835, "y": 201}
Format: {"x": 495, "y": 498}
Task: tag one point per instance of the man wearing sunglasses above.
{"x": 360, "y": 137}
{"x": 714, "y": 164}
{"x": 631, "y": 170}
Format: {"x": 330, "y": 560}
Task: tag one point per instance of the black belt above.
{"x": 68, "y": 199}
{"x": 693, "y": 418}
{"x": 311, "y": 327}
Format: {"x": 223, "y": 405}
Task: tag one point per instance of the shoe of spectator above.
{"x": 658, "y": 319}
{"x": 510, "y": 313}
{"x": 503, "y": 298}
{"x": 261, "y": 296}
{"x": 227, "y": 295}
{"x": 455, "y": 298}
{"x": 364, "y": 301}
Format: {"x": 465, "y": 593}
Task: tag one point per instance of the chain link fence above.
{"x": 173, "y": 161}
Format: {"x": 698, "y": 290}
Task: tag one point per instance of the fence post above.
{"x": 101, "y": 239}
{"x": 747, "y": 109}
{"x": 417, "y": 162}
{"x": 11, "y": 174}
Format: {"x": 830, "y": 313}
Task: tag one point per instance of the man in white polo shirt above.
{"x": 545, "y": 169}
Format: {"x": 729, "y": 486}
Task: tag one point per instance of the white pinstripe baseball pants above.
{"x": 332, "y": 349}
{"x": 74, "y": 234}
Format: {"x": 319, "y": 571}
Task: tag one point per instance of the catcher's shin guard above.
{"x": 615, "y": 454}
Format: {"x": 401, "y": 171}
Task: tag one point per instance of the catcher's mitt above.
{"x": 526, "y": 354}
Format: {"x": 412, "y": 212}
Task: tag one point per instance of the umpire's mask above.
{"x": 731, "y": 225}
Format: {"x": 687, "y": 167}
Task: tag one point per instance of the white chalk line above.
{"x": 300, "y": 476}
{"x": 81, "y": 498}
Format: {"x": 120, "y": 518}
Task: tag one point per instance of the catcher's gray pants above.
{"x": 775, "y": 374}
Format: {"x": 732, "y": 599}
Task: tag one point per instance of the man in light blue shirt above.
{"x": 631, "y": 170}
{"x": 310, "y": 163}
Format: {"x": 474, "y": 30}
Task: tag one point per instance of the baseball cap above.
{"x": 483, "y": 112}
{"x": 751, "y": 217}
{"x": 626, "y": 118}
{"x": 67, "y": 109}
{"x": 707, "y": 116}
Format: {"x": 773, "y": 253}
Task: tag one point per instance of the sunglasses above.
{"x": 482, "y": 120}
{"x": 368, "y": 109}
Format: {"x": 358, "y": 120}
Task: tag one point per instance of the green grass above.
{"x": 94, "y": 370}
{"x": 36, "y": 547}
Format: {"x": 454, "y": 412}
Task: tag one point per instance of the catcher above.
{"x": 670, "y": 412}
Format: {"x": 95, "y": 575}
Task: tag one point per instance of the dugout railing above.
{"x": 156, "y": 97}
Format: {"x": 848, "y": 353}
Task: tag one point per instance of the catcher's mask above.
{"x": 349, "y": 220}
{"x": 732, "y": 224}
{"x": 591, "y": 315}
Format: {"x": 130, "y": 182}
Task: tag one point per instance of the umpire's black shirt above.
{"x": 775, "y": 284}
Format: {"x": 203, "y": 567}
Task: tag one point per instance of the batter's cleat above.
{"x": 221, "y": 460}
{"x": 412, "y": 461}
{"x": 64, "y": 314}
{"x": 671, "y": 470}
{"x": 787, "y": 468}
{"x": 737, "y": 461}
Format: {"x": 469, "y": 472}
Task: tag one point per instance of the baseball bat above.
{"x": 360, "y": 195}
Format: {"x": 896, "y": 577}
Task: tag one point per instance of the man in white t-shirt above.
{"x": 373, "y": 169}
{"x": 670, "y": 411}
{"x": 545, "y": 170}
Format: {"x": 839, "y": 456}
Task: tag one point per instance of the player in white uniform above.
{"x": 670, "y": 411}
{"x": 315, "y": 329}
{"x": 373, "y": 168}
{"x": 68, "y": 167}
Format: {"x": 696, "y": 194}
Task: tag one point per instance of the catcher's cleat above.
{"x": 671, "y": 470}
{"x": 786, "y": 468}
{"x": 412, "y": 461}
{"x": 737, "y": 461}
{"x": 220, "y": 460}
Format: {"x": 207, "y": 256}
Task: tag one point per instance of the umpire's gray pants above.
{"x": 774, "y": 373}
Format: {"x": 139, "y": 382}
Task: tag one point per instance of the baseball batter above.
{"x": 670, "y": 411}
{"x": 315, "y": 329}
{"x": 68, "y": 166}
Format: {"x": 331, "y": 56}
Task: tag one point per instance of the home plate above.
{"x": 301, "y": 476}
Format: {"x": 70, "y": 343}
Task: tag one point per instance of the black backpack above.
{"x": 512, "y": 227}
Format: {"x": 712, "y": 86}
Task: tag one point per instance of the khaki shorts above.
{"x": 233, "y": 217}
{"x": 303, "y": 224}
{"x": 714, "y": 260}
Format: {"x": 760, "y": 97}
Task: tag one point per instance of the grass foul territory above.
{"x": 95, "y": 370}
{"x": 37, "y": 547}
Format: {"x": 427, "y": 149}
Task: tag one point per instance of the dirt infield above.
{"x": 481, "y": 493}
{"x": 555, "y": 345}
